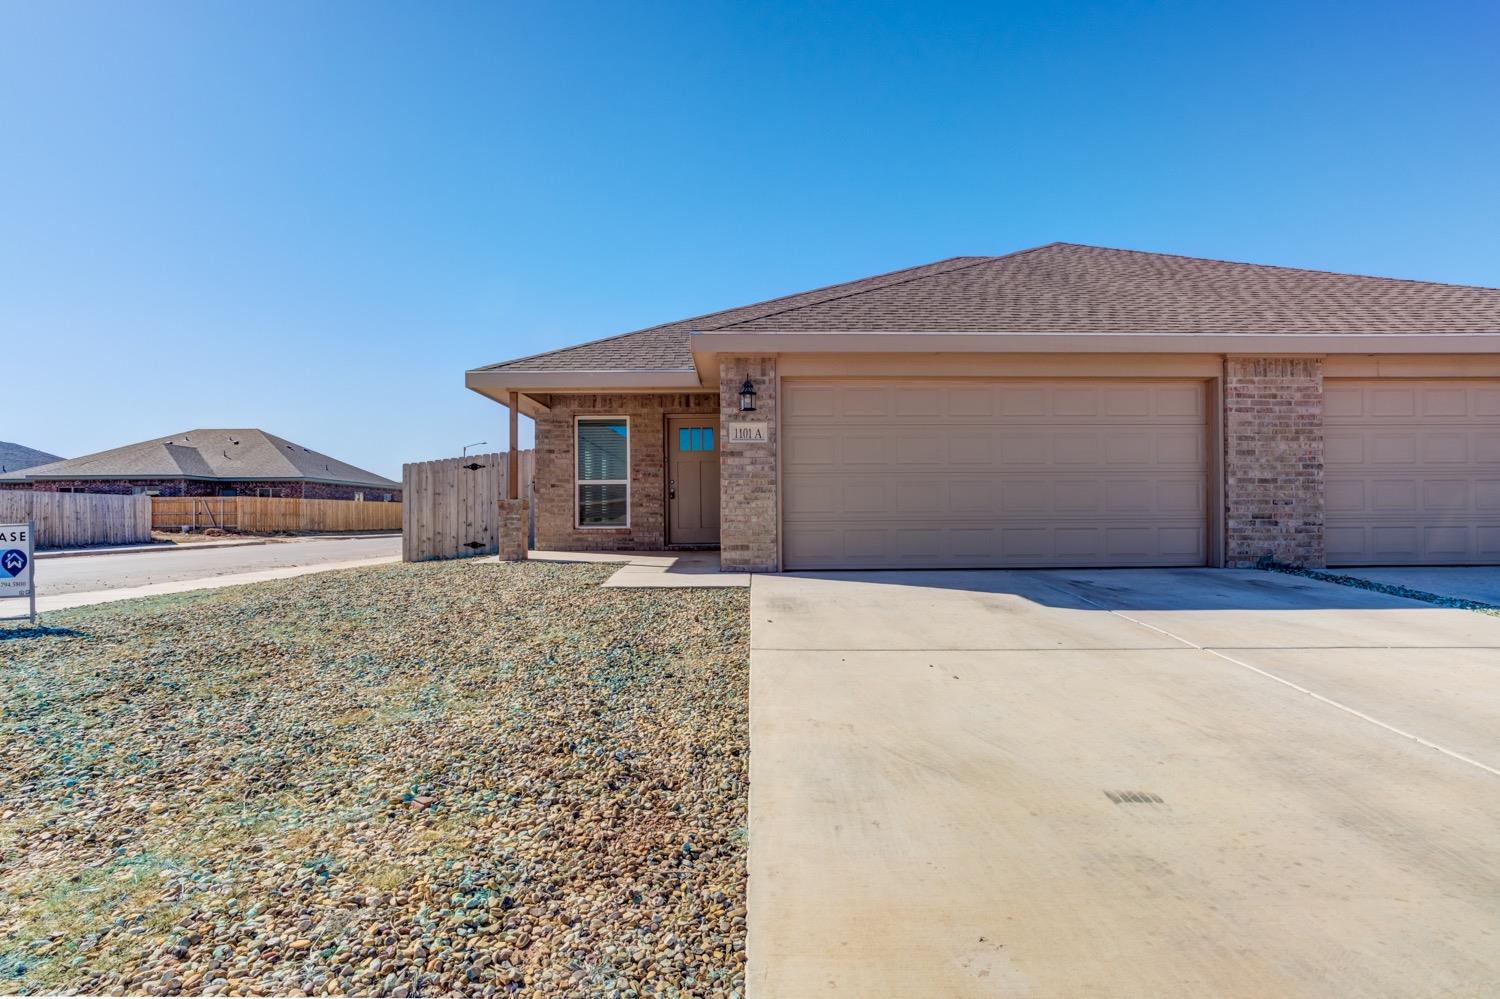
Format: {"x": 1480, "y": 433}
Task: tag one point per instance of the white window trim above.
{"x": 577, "y": 482}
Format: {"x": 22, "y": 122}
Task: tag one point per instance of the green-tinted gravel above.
{"x": 468, "y": 778}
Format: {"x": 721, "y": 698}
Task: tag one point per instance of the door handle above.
{"x": 671, "y": 489}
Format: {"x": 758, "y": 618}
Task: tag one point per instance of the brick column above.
{"x": 1273, "y": 460}
{"x": 748, "y": 519}
{"x": 513, "y": 524}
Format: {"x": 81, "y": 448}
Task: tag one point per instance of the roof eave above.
{"x": 498, "y": 385}
{"x": 831, "y": 342}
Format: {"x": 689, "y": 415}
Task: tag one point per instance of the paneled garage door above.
{"x": 930, "y": 474}
{"x": 1413, "y": 472}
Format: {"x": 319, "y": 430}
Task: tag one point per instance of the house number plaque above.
{"x": 749, "y": 433}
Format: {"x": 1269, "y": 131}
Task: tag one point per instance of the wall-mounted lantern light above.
{"x": 747, "y": 397}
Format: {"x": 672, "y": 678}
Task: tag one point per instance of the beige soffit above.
{"x": 497, "y": 384}
{"x": 1104, "y": 343}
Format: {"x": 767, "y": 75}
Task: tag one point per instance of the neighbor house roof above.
{"x": 14, "y": 457}
{"x": 1060, "y": 288}
{"x": 239, "y": 455}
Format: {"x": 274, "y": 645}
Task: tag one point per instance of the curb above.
{"x": 165, "y": 546}
{"x": 52, "y": 603}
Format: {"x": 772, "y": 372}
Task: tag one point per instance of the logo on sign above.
{"x": 13, "y": 561}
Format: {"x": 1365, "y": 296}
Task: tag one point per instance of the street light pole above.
{"x": 475, "y": 444}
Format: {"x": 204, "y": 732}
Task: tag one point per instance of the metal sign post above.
{"x": 16, "y": 557}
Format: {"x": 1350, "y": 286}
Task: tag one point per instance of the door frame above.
{"x": 666, "y": 477}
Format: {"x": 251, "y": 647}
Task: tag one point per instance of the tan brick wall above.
{"x": 514, "y": 523}
{"x": 553, "y": 481}
{"x": 747, "y": 472}
{"x": 1273, "y": 460}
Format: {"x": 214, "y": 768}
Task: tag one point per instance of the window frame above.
{"x": 578, "y": 483}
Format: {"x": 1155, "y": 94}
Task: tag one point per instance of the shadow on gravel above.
{"x": 41, "y": 631}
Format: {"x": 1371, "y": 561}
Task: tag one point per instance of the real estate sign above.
{"x": 15, "y": 560}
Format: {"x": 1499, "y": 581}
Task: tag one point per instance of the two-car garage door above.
{"x": 1412, "y": 471}
{"x": 932, "y": 474}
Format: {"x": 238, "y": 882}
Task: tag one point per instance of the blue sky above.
{"x": 313, "y": 217}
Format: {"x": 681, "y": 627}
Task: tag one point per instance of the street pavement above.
{"x": 133, "y": 570}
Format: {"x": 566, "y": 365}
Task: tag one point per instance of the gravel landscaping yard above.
{"x": 449, "y": 778}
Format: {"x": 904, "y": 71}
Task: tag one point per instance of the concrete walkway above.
{"x": 656, "y": 570}
{"x": 1120, "y": 783}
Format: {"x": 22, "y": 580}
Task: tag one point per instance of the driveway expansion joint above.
{"x": 1347, "y": 709}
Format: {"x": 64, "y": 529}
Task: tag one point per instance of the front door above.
{"x": 693, "y": 480}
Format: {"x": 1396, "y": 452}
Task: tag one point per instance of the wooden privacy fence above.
{"x": 71, "y": 520}
{"x": 452, "y": 506}
{"x": 268, "y": 514}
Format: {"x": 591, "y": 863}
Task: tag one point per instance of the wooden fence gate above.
{"x": 452, "y": 506}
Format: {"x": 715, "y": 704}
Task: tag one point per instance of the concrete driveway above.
{"x": 1120, "y": 783}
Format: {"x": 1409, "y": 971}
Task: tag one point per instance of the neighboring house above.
{"x": 210, "y": 463}
{"x": 14, "y": 457}
{"x": 1061, "y": 406}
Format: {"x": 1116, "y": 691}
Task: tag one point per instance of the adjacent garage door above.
{"x": 1413, "y": 472}
{"x": 931, "y": 474}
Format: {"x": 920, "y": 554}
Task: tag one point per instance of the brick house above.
{"x": 1065, "y": 405}
{"x": 210, "y": 463}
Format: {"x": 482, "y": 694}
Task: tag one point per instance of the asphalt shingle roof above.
{"x": 665, "y": 347}
{"x": 210, "y": 454}
{"x": 1066, "y": 288}
{"x": 14, "y": 457}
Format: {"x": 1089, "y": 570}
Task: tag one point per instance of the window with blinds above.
{"x": 603, "y": 473}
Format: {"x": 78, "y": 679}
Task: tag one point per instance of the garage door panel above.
{"x": 1022, "y": 402}
{"x": 1180, "y": 448}
{"x": 1447, "y": 494}
{"x": 1445, "y": 448}
{"x": 927, "y": 449}
{"x": 1345, "y": 497}
{"x": 1445, "y": 401}
{"x": 1393, "y": 496}
{"x": 1412, "y": 472}
{"x": 925, "y": 499}
{"x": 808, "y": 402}
{"x": 808, "y": 447}
{"x": 1129, "y": 447}
{"x": 1392, "y": 400}
{"x": 860, "y": 450}
{"x": 918, "y": 402}
{"x": 1392, "y": 448}
{"x": 967, "y": 402}
{"x": 1343, "y": 448}
{"x": 1343, "y": 401}
{"x": 1065, "y": 473}
{"x": 970, "y": 449}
